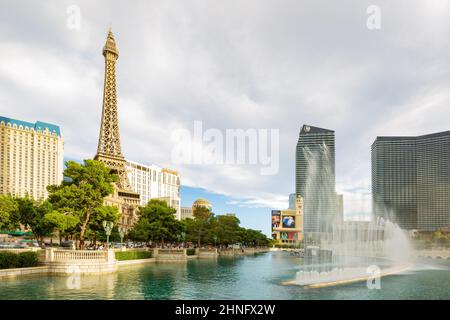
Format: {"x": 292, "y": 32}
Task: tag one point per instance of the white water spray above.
{"x": 343, "y": 251}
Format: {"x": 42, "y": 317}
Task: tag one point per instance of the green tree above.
{"x": 32, "y": 215}
{"x": 115, "y": 235}
{"x": 61, "y": 223}
{"x": 206, "y": 228}
{"x": 437, "y": 235}
{"x": 103, "y": 213}
{"x": 9, "y": 217}
{"x": 227, "y": 229}
{"x": 188, "y": 227}
{"x": 250, "y": 237}
{"x": 157, "y": 223}
{"x": 200, "y": 228}
{"x": 82, "y": 193}
{"x": 140, "y": 231}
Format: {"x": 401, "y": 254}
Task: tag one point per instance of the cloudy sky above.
{"x": 253, "y": 64}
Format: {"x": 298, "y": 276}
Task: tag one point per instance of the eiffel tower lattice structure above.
{"x": 109, "y": 150}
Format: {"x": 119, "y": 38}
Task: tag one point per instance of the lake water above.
{"x": 248, "y": 277}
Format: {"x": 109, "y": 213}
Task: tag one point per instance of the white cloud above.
{"x": 234, "y": 64}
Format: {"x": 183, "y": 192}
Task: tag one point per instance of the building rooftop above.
{"x": 147, "y": 167}
{"x": 38, "y": 126}
{"x": 307, "y": 129}
{"x": 425, "y": 136}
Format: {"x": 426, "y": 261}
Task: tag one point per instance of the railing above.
{"x": 53, "y": 255}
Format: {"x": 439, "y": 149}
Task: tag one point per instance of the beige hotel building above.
{"x": 153, "y": 182}
{"x": 31, "y": 157}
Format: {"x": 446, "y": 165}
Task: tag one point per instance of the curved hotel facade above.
{"x": 315, "y": 177}
{"x": 411, "y": 180}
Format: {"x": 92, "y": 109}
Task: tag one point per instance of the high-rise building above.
{"x": 394, "y": 180}
{"x": 411, "y": 180}
{"x": 153, "y": 182}
{"x": 186, "y": 212}
{"x": 109, "y": 149}
{"x": 31, "y": 157}
{"x": 315, "y": 177}
{"x": 292, "y": 199}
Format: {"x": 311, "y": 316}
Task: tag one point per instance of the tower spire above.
{"x": 110, "y": 45}
{"x": 109, "y": 149}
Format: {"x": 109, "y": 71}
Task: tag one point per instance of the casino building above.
{"x": 411, "y": 180}
{"x": 31, "y": 157}
{"x": 153, "y": 182}
{"x": 287, "y": 225}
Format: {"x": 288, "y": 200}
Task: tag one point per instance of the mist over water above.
{"x": 338, "y": 250}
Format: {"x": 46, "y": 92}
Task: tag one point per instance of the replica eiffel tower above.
{"x": 109, "y": 150}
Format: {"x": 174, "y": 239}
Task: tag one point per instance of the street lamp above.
{"x": 121, "y": 234}
{"x": 107, "y": 225}
{"x": 183, "y": 236}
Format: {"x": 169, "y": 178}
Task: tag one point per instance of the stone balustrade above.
{"x": 54, "y": 255}
{"x": 80, "y": 261}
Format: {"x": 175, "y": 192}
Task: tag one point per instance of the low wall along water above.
{"x": 171, "y": 255}
{"x": 69, "y": 262}
{"x": 207, "y": 253}
{"x": 79, "y": 261}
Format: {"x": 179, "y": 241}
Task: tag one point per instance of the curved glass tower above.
{"x": 315, "y": 177}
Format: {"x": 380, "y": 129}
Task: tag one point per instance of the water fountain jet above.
{"x": 338, "y": 252}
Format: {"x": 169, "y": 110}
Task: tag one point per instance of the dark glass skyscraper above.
{"x": 315, "y": 177}
{"x": 411, "y": 180}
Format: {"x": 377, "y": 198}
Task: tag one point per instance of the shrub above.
{"x": 10, "y": 260}
{"x": 133, "y": 255}
{"x": 190, "y": 252}
{"x": 28, "y": 259}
